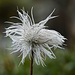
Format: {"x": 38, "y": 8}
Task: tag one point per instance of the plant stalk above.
{"x": 32, "y": 57}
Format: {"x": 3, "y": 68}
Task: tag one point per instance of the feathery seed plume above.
{"x": 28, "y": 35}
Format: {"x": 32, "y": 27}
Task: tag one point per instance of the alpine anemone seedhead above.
{"x": 28, "y": 35}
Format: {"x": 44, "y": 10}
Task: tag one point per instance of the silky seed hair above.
{"x": 28, "y": 35}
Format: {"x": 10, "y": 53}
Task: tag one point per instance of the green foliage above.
{"x": 64, "y": 64}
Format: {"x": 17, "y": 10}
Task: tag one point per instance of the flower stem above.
{"x": 32, "y": 57}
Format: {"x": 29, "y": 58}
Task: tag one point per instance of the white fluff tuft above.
{"x": 27, "y": 33}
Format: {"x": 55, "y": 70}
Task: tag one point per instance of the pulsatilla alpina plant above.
{"x": 30, "y": 38}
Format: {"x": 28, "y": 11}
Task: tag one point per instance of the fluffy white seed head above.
{"x": 28, "y": 35}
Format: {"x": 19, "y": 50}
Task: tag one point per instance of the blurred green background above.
{"x": 64, "y": 64}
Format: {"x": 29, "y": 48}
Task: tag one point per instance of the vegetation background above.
{"x": 64, "y": 64}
